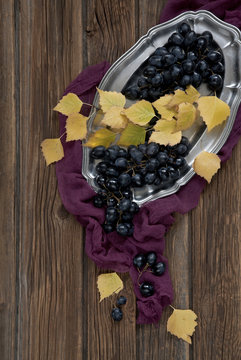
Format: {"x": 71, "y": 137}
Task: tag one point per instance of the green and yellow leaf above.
{"x": 206, "y": 165}
{"x": 182, "y": 324}
{"x": 103, "y": 137}
{"x": 52, "y": 150}
{"x": 76, "y": 127}
{"x": 140, "y": 113}
{"x": 114, "y": 118}
{"x": 109, "y": 284}
{"x": 111, "y": 98}
{"x": 167, "y": 126}
{"x": 132, "y": 135}
{"x": 190, "y": 95}
{"x": 213, "y": 111}
{"x": 165, "y": 138}
{"x": 186, "y": 116}
{"x": 69, "y": 104}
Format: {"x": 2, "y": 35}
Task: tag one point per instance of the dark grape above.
{"x": 117, "y": 314}
{"x": 162, "y": 158}
{"x": 159, "y": 269}
{"x": 132, "y": 92}
{"x": 134, "y": 208}
{"x": 191, "y": 56}
{"x": 146, "y": 289}
{"x": 184, "y": 28}
{"x": 100, "y": 180}
{"x": 137, "y": 180}
{"x": 168, "y": 60}
{"x": 112, "y": 184}
{"x": 149, "y": 71}
{"x": 127, "y": 193}
{"x": 121, "y": 301}
{"x": 161, "y": 51}
{"x": 112, "y": 172}
{"x": 98, "y": 152}
{"x": 196, "y": 79}
{"x": 152, "y": 149}
{"x": 126, "y": 216}
{"x": 201, "y": 43}
{"x": 122, "y": 229}
{"x": 108, "y": 228}
{"x": 178, "y": 52}
{"x": 214, "y": 56}
{"x": 139, "y": 261}
{"x": 125, "y": 204}
{"x": 190, "y": 39}
{"x": 121, "y": 163}
{"x": 151, "y": 258}
{"x": 149, "y": 178}
{"x": 185, "y": 80}
{"x": 142, "y": 82}
{"x": 102, "y": 167}
{"x": 112, "y": 202}
{"x": 215, "y": 82}
{"x": 188, "y": 66}
{"x": 152, "y": 164}
{"x": 218, "y": 68}
{"x": 98, "y": 201}
{"x": 124, "y": 180}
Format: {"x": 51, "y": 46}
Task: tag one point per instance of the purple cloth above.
{"x": 112, "y": 251}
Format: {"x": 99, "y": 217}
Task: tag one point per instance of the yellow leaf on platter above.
{"x": 182, "y": 324}
{"x": 168, "y": 126}
{"x": 165, "y": 138}
{"x": 101, "y": 137}
{"x": 186, "y": 116}
{"x": 161, "y": 106}
{"x": 52, "y": 150}
{"x": 114, "y": 118}
{"x": 132, "y": 135}
{"x": 110, "y": 98}
{"x": 69, "y": 104}
{"x": 109, "y": 284}
{"x": 76, "y": 127}
{"x": 98, "y": 117}
{"x": 213, "y": 111}
{"x": 206, "y": 165}
{"x": 190, "y": 95}
{"x": 140, "y": 113}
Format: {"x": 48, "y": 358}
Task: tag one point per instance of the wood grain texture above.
{"x": 49, "y": 303}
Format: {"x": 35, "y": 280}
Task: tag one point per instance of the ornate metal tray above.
{"x": 228, "y": 38}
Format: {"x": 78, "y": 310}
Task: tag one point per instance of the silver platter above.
{"x": 228, "y": 38}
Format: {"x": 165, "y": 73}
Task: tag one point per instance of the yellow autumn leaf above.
{"x": 98, "y": 117}
{"x": 140, "y": 113}
{"x": 52, "y": 150}
{"x": 186, "y": 116}
{"x": 161, "y": 106}
{"x": 132, "y": 135}
{"x": 76, "y": 127}
{"x": 168, "y": 126}
{"x": 190, "y": 95}
{"x": 213, "y": 111}
{"x": 101, "y": 137}
{"x": 182, "y": 324}
{"x": 114, "y": 118}
{"x": 69, "y": 104}
{"x": 206, "y": 165}
{"x": 109, "y": 284}
{"x": 110, "y": 98}
{"x": 166, "y": 138}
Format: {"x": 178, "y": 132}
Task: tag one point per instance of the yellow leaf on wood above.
{"x": 182, "y": 324}
{"x": 52, "y": 150}
{"x": 109, "y": 284}
{"x": 110, "y": 98}
{"x": 206, "y": 165}
{"x": 213, "y": 111}
{"x": 190, "y": 95}
{"x": 101, "y": 137}
{"x": 165, "y": 138}
{"x": 76, "y": 127}
{"x": 167, "y": 126}
{"x": 140, "y": 113}
{"x": 69, "y": 104}
{"x": 186, "y": 116}
{"x": 132, "y": 135}
{"x": 161, "y": 106}
{"x": 114, "y": 118}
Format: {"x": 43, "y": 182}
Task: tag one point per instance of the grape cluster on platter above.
{"x": 117, "y": 313}
{"x": 120, "y": 170}
{"x": 142, "y": 262}
{"x": 186, "y": 59}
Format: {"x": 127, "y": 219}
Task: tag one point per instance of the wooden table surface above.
{"x": 49, "y": 304}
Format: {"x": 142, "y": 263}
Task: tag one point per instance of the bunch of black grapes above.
{"x": 120, "y": 170}
{"x": 188, "y": 58}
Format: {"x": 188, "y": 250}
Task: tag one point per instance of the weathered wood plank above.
{"x": 8, "y": 183}
{"x": 51, "y": 240}
{"x": 110, "y": 31}
{"x": 216, "y": 273}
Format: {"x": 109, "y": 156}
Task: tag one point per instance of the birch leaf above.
{"x": 190, "y": 95}
{"x": 111, "y": 98}
{"x": 186, "y": 116}
{"x": 213, "y": 111}
{"x": 206, "y": 165}
{"x": 165, "y": 138}
{"x": 182, "y": 324}
{"x": 101, "y": 137}
{"x": 132, "y": 135}
{"x": 168, "y": 126}
{"x": 76, "y": 127}
{"x": 52, "y": 150}
{"x": 109, "y": 284}
{"x": 161, "y": 106}
{"x": 114, "y": 118}
{"x": 140, "y": 113}
{"x": 69, "y": 104}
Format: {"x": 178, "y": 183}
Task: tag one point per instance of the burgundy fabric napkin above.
{"x": 114, "y": 252}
